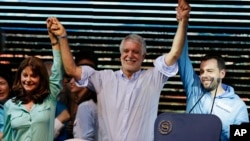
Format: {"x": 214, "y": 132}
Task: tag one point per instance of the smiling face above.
{"x": 131, "y": 57}
{"x": 79, "y": 94}
{"x": 74, "y": 88}
{"x": 210, "y": 74}
{"x": 4, "y": 90}
{"x": 29, "y": 80}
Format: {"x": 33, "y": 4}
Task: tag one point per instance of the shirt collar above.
{"x": 19, "y": 103}
{"x": 134, "y": 76}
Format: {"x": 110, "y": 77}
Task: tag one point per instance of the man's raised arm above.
{"x": 182, "y": 16}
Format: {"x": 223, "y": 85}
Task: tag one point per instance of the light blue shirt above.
{"x": 38, "y": 123}
{"x": 228, "y": 106}
{"x": 127, "y": 108}
{"x": 86, "y": 123}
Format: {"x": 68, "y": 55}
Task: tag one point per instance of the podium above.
{"x": 187, "y": 127}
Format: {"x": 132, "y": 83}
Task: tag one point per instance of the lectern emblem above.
{"x": 165, "y": 127}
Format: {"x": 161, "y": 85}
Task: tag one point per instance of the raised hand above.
{"x": 52, "y": 37}
{"x": 183, "y": 10}
{"x": 55, "y": 27}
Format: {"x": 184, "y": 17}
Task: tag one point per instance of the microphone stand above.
{"x": 214, "y": 96}
{"x": 196, "y": 102}
{"x": 200, "y": 97}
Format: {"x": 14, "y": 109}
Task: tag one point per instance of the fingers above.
{"x": 183, "y": 10}
{"x": 48, "y": 22}
{"x": 183, "y": 4}
{"x": 52, "y": 20}
{"x": 180, "y": 2}
{"x": 55, "y": 27}
{"x": 178, "y": 14}
{"x": 51, "y": 26}
{"x": 52, "y": 23}
{"x": 55, "y": 20}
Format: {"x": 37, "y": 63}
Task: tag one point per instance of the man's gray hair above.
{"x": 136, "y": 38}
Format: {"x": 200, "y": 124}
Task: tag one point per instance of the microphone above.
{"x": 211, "y": 79}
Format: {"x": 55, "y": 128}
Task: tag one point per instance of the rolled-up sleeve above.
{"x": 86, "y": 73}
{"x": 161, "y": 66}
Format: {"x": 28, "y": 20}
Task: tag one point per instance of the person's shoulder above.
{"x": 148, "y": 69}
{"x": 234, "y": 96}
{"x": 89, "y": 104}
{"x": 108, "y": 70}
{"x": 9, "y": 103}
{"x": 84, "y": 103}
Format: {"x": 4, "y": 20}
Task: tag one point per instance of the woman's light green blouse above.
{"x": 38, "y": 123}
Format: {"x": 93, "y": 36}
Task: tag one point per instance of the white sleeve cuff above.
{"x": 58, "y": 126}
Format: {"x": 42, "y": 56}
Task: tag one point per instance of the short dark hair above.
{"x": 86, "y": 54}
{"x": 220, "y": 61}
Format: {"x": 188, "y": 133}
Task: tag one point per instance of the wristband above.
{"x": 55, "y": 43}
{"x": 63, "y": 36}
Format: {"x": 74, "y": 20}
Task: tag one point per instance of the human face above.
{"x": 131, "y": 57}
{"x": 4, "y": 90}
{"x": 29, "y": 80}
{"x": 73, "y": 87}
{"x": 78, "y": 92}
{"x": 210, "y": 75}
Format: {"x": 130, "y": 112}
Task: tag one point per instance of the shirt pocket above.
{"x": 43, "y": 114}
{"x": 19, "y": 119}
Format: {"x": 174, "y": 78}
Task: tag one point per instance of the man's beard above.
{"x": 213, "y": 85}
